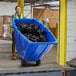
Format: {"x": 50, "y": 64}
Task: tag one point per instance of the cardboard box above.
{"x": 1, "y": 19}
{"x": 1, "y": 30}
{"x": 53, "y": 30}
{"x": 7, "y": 19}
{"x": 42, "y": 14}
{"x": 52, "y": 22}
{"x": 7, "y": 30}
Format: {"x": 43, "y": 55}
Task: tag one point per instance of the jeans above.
{"x": 13, "y": 43}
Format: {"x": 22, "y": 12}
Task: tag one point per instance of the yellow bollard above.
{"x": 57, "y": 36}
{"x": 22, "y": 6}
{"x": 62, "y": 34}
{"x": 18, "y": 2}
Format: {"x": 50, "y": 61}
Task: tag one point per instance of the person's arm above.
{"x": 24, "y": 16}
{"x": 12, "y": 16}
{"x": 12, "y": 20}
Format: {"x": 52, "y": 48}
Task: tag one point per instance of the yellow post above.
{"x": 62, "y": 46}
{"x": 18, "y": 2}
{"x": 57, "y": 35}
{"x": 22, "y": 6}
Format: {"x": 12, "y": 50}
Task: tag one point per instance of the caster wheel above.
{"x": 23, "y": 63}
{"x": 38, "y": 62}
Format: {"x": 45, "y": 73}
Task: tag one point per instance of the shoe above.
{"x": 14, "y": 56}
{"x": 20, "y": 57}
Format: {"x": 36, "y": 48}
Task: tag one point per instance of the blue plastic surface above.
{"x": 28, "y": 50}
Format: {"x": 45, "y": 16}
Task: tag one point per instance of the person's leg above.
{"x": 12, "y": 42}
{"x": 13, "y": 47}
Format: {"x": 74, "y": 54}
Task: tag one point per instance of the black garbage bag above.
{"x": 33, "y": 33}
{"x": 43, "y": 32}
{"x": 42, "y": 38}
{"x": 22, "y": 28}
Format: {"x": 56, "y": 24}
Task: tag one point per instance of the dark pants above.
{"x": 13, "y": 43}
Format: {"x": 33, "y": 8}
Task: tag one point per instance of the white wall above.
{"x": 8, "y": 8}
{"x": 27, "y": 11}
{"x": 71, "y": 30}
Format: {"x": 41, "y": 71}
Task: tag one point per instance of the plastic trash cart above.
{"x": 28, "y": 50}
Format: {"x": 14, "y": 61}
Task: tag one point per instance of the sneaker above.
{"x": 19, "y": 57}
{"x": 14, "y": 56}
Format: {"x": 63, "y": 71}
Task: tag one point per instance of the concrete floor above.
{"x": 8, "y": 65}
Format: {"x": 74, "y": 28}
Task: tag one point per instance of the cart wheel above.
{"x": 38, "y": 62}
{"x": 23, "y": 63}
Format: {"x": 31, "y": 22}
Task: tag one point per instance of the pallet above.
{"x": 7, "y": 38}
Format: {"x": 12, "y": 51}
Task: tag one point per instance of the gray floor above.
{"x": 8, "y": 65}
{"x": 58, "y": 73}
